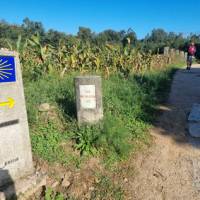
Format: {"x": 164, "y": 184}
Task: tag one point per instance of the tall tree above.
{"x": 129, "y": 38}
{"x": 31, "y": 27}
{"x": 85, "y": 34}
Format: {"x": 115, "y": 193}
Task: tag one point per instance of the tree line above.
{"x": 152, "y": 42}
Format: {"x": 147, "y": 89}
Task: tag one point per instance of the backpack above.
{"x": 192, "y": 50}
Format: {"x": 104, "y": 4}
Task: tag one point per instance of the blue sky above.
{"x": 141, "y": 15}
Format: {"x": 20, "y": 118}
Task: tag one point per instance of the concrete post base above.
{"x": 23, "y": 188}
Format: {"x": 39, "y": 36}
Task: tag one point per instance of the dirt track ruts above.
{"x": 171, "y": 168}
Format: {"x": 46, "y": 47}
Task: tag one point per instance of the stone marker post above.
{"x": 185, "y": 54}
{"x": 166, "y": 51}
{"x": 172, "y": 52}
{"x": 177, "y": 52}
{"x": 88, "y": 99}
{"x": 15, "y": 148}
{"x": 182, "y": 54}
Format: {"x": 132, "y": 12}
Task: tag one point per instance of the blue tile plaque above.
{"x": 7, "y": 69}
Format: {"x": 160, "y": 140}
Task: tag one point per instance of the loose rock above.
{"x": 65, "y": 183}
{"x": 55, "y": 184}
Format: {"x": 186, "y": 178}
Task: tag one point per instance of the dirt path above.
{"x": 171, "y": 170}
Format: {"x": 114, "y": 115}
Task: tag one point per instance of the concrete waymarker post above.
{"x": 166, "y": 51}
{"x": 185, "y": 54}
{"x": 177, "y": 52}
{"x": 15, "y": 148}
{"x": 182, "y": 54}
{"x": 88, "y": 99}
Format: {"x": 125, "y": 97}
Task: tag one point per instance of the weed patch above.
{"x": 105, "y": 189}
{"x": 129, "y": 109}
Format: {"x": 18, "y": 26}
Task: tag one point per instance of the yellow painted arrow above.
{"x": 10, "y": 103}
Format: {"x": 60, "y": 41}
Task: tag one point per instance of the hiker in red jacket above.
{"x": 191, "y": 53}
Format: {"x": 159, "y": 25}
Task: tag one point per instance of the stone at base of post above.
{"x": 88, "y": 99}
{"x": 24, "y": 188}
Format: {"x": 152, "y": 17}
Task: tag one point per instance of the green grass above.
{"x": 106, "y": 189}
{"x": 46, "y": 143}
{"x": 129, "y": 109}
{"x": 51, "y": 195}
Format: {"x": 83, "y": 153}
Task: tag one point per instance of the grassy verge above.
{"x": 129, "y": 109}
